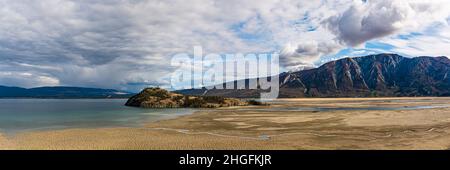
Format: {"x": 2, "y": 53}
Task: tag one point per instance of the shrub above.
{"x": 213, "y": 99}
{"x": 196, "y": 102}
{"x": 255, "y": 102}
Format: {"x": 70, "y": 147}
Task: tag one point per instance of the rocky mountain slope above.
{"x": 368, "y": 76}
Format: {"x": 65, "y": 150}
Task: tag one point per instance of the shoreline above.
{"x": 232, "y": 128}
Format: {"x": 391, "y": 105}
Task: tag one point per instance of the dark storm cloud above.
{"x": 107, "y": 44}
{"x": 88, "y": 42}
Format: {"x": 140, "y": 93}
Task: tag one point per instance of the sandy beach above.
{"x": 398, "y": 123}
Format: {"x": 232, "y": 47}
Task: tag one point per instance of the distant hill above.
{"x": 61, "y": 92}
{"x": 368, "y": 76}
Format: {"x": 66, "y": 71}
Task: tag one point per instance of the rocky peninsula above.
{"x": 161, "y": 98}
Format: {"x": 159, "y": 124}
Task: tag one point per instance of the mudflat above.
{"x": 306, "y": 123}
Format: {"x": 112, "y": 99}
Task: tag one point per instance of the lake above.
{"x": 43, "y": 114}
{"x": 18, "y": 115}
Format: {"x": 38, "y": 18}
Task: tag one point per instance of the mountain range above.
{"x": 61, "y": 92}
{"x": 381, "y": 75}
{"x": 367, "y": 76}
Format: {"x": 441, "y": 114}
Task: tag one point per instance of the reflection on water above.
{"x": 37, "y": 114}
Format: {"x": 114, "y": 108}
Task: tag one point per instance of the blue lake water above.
{"x": 41, "y": 114}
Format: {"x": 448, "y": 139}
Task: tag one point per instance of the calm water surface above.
{"x": 42, "y": 114}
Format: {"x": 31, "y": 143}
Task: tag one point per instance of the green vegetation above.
{"x": 373, "y": 94}
{"x": 214, "y": 99}
{"x": 257, "y": 103}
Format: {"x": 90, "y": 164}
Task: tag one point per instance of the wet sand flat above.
{"x": 396, "y": 126}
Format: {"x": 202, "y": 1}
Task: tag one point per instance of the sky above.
{"x": 128, "y": 44}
